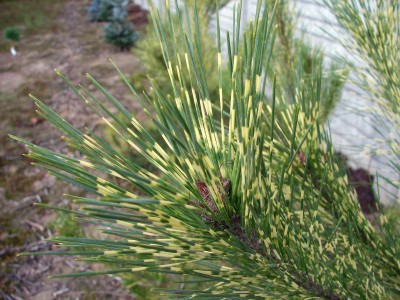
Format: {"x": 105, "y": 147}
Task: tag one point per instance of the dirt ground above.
{"x": 74, "y": 46}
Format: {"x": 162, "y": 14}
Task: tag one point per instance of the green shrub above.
{"x": 12, "y": 34}
{"x": 120, "y": 34}
{"x": 253, "y": 204}
{"x": 100, "y": 10}
{"x": 120, "y": 31}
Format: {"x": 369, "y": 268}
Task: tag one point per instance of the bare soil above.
{"x": 74, "y": 46}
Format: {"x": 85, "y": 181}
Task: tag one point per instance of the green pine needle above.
{"x": 247, "y": 195}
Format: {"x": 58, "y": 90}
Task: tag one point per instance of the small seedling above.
{"x": 12, "y": 35}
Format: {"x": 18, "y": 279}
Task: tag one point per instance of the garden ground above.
{"x": 55, "y": 34}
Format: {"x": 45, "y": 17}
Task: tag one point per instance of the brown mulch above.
{"x": 362, "y": 182}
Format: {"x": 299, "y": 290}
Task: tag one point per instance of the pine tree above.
{"x": 100, "y": 10}
{"x": 121, "y": 34}
{"x": 248, "y": 195}
{"x": 120, "y": 31}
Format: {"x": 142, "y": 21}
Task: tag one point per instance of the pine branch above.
{"x": 245, "y": 195}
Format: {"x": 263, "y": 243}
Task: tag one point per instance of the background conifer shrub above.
{"x": 100, "y": 10}
{"x": 120, "y": 31}
{"x": 248, "y": 198}
{"x": 121, "y": 34}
